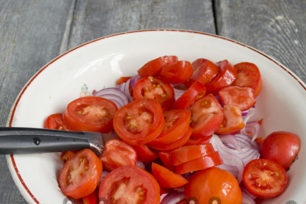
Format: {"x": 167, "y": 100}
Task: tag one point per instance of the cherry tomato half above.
{"x": 281, "y": 147}
{"x": 264, "y": 178}
{"x": 129, "y": 184}
{"x": 81, "y": 174}
{"x": 55, "y": 121}
{"x": 214, "y": 185}
{"x": 176, "y": 73}
{"x": 204, "y": 70}
{"x": 139, "y": 122}
{"x": 90, "y": 113}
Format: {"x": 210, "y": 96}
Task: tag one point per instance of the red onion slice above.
{"x": 172, "y": 198}
{"x": 113, "y": 94}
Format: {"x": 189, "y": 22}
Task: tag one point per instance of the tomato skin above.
{"x": 91, "y": 198}
{"x": 264, "y": 178}
{"x": 129, "y": 184}
{"x": 281, "y": 147}
{"x": 152, "y": 67}
{"x": 167, "y": 178}
{"x": 204, "y": 70}
{"x": 139, "y": 122}
{"x": 145, "y": 154}
{"x": 243, "y": 97}
{"x": 117, "y": 153}
{"x": 153, "y": 88}
{"x": 81, "y": 174}
{"x": 176, "y": 73}
{"x": 248, "y": 75}
{"x": 225, "y": 77}
{"x": 90, "y": 113}
{"x": 55, "y": 121}
{"x": 206, "y": 116}
{"x": 214, "y": 184}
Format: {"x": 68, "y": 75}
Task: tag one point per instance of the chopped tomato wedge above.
{"x": 225, "y": 77}
{"x": 191, "y": 95}
{"x": 129, "y": 184}
{"x": 201, "y": 163}
{"x": 90, "y": 113}
{"x": 248, "y": 75}
{"x": 152, "y": 67}
{"x": 117, "y": 153}
{"x": 165, "y": 159}
{"x": 176, "y": 73}
{"x": 204, "y": 70}
{"x": 55, "y": 121}
{"x": 167, "y": 178}
{"x": 232, "y": 121}
{"x": 190, "y": 152}
{"x": 139, "y": 122}
{"x": 153, "y": 88}
{"x": 145, "y": 154}
{"x": 264, "y": 178}
{"x": 206, "y": 116}
{"x": 81, "y": 174}
{"x": 177, "y": 122}
{"x": 243, "y": 97}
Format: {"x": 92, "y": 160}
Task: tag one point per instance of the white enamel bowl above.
{"x": 100, "y": 62}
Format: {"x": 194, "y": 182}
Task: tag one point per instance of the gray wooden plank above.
{"x": 31, "y": 34}
{"x": 276, "y": 27}
{"x": 94, "y": 19}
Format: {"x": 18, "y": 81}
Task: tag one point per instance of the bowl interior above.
{"x": 99, "y": 63}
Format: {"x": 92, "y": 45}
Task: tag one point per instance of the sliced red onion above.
{"x": 114, "y": 94}
{"x": 178, "y": 93}
{"x": 248, "y": 115}
{"x": 172, "y": 198}
{"x": 247, "y": 197}
{"x": 128, "y": 85}
{"x": 253, "y": 129}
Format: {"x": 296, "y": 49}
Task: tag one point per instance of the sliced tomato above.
{"x": 204, "y": 70}
{"x": 177, "y": 122}
{"x": 225, "y": 77}
{"x": 264, "y": 178}
{"x": 55, "y": 121}
{"x": 176, "y": 73}
{"x": 165, "y": 159}
{"x": 129, "y": 184}
{"x": 190, "y": 152}
{"x": 212, "y": 186}
{"x": 139, "y": 122}
{"x": 232, "y": 121}
{"x": 201, "y": 163}
{"x": 91, "y": 198}
{"x": 153, "y": 88}
{"x": 90, "y": 113}
{"x": 191, "y": 95}
{"x": 66, "y": 155}
{"x": 153, "y": 66}
{"x": 167, "y": 178}
{"x": 243, "y": 97}
{"x": 206, "y": 116}
{"x": 81, "y": 174}
{"x": 145, "y": 154}
{"x": 282, "y": 147}
{"x": 117, "y": 153}
{"x": 178, "y": 143}
{"x": 248, "y": 75}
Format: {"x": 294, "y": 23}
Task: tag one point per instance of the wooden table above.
{"x": 33, "y": 32}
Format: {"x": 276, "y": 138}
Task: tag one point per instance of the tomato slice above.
{"x": 204, "y": 70}
{"x": 91, "y": 198}
{"x": 206, "y": 116}
{"x": 192, "y": 94}
{"x": 176, "y": 73}
{"x": 55, "y": 121}
{"x": 213, "y": 185}
{"x": 248, "y": 75}
{"x": 139, "y": 122}
{"x": 129, "y": 184}
{"x": 90, "y": 113}
{"x": 117, "y": 153}
{"x": 153, "y": 88}
{"x": 225, "y": 77}
{"x": 167, "y": 178}
{"x": 200, "y": 163}
{"x": 165, "y": 159}
{"x": 153, "y": 66}
{"x": 243, "y": 97}
{"x": 232, "y": 121}
{"x": 145, "y": 154}
{"x": 176, "y": 124}
{"x": 81, "y": 174}
{"x": 264, "y": 178}
{"x": 190, "y": 152}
